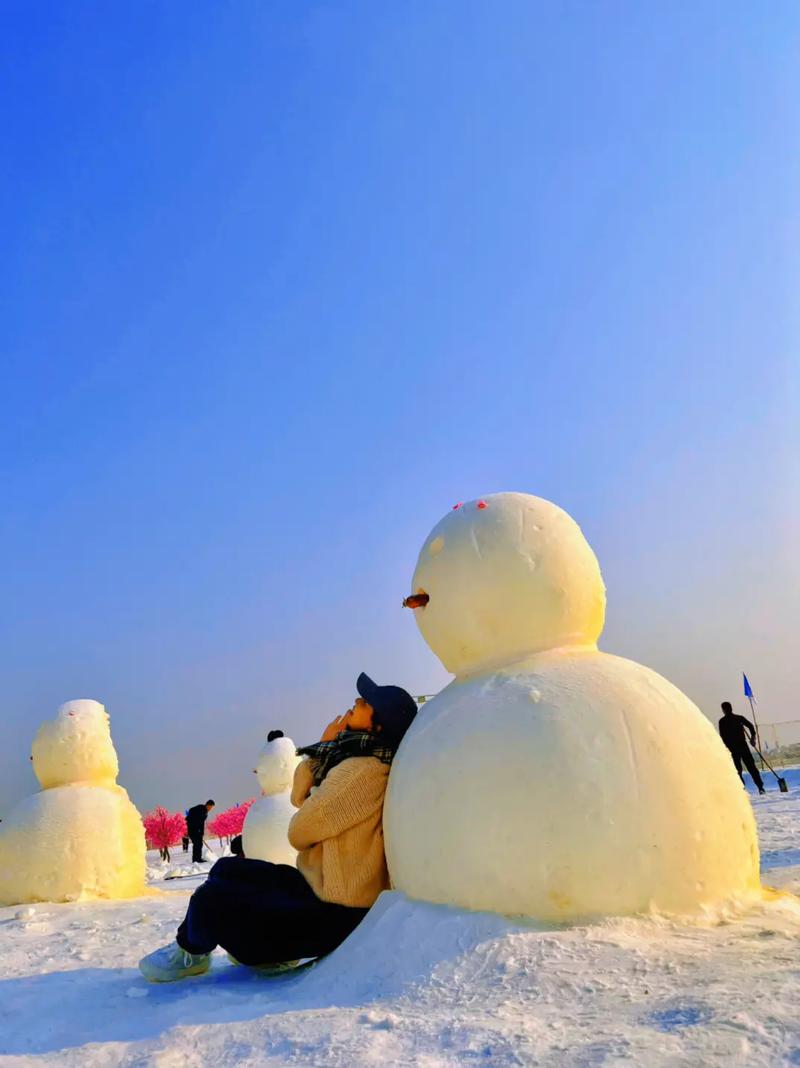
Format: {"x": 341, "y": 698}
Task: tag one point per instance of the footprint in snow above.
{"x": 678, "y": 1017}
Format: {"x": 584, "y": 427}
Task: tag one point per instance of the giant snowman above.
{"x": 79, "y": 837}
{"x": 550, "y": 779}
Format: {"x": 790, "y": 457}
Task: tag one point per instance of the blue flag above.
{"x": 748, "y": 689}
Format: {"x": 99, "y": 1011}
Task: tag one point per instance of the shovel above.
{"x": 784, "y": 789}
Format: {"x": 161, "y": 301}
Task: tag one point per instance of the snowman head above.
{"x": 506, "y": 576}
{"x": 76, "y": 746}
{"x": 276, "y": 764}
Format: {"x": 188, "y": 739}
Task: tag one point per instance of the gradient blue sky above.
{"x": 281, "y": 282}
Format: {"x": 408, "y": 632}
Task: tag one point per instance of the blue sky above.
{"x": 282, "y": 282}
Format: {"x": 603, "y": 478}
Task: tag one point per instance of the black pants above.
{"x": 197, "y": 847}
{"x": 263, "y": 913}
{"x": 744, "y": 756}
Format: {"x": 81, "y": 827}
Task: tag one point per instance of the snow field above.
{"x": 417, "y": 985}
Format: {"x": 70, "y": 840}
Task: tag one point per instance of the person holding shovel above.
{"x": 732, "y": 731}
{"x": 196, "y": 828}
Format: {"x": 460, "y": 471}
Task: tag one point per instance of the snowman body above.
{"x": 266, "y": 826}
{"x": 550, "y": 779}
{"x": 79, "y": 837}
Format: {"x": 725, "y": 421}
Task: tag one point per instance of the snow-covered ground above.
{"x": 418, "y": 985}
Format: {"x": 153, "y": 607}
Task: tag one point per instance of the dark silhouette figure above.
{"x": 196, "y": 826}
{"x": 732, "y": 731}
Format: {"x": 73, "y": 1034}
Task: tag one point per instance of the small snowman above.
{"x": 79, "y": 837}
{"x": 550, "y": 779}
{"x": 266, "y": 826}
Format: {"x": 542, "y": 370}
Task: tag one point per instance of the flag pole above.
{"x": 755, "y": 720}
{"x": 748, "y": 690}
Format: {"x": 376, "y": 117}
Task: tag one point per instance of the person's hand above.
{"x": 335, "y": 727}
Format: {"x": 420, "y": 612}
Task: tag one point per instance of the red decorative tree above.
{"x": 163, "y": 829}
{"x": 230, "y": 822}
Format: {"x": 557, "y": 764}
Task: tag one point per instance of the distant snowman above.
{"x": 79, "y": 837}
{"x": 550, "y": 779}
{"x": 266, "y": 826}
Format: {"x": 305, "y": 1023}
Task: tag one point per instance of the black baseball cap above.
{"x": 394, "y": 707}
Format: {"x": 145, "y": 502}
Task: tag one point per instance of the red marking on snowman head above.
{"x": 482, "y": 504}
{"x": 457, "y": 506}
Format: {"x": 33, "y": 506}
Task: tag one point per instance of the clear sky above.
{"x": 281, "y": 282}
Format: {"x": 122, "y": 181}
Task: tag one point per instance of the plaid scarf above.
{"x": 326, "y": 755}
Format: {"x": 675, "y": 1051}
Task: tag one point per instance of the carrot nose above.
{"x": 416, "y": 600}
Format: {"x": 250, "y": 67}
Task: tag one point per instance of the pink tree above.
{"x": 163, "y": 829}
{"x": 230, "y": 822}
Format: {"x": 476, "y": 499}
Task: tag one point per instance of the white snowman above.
{"x": 550, "y": 779}
{"x": 266, "y": 825}
{"x": 80, "y": 836}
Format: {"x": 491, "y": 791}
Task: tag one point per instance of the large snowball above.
{"x": 507, "y": 576}
{"x": 70, "y": 843}
{"x": 266, "y": 830}
{"x": 572, "y": 785}
{"x": 76, "y": 746}
{"x": 276, "y": 765}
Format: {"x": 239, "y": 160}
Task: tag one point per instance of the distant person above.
{"x": 731, "y": 730}
{"x": 268, "y": 914}
{"x": 185, "y": 839}
{"x": 196, "y": 828}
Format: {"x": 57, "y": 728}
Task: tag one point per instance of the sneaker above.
{"x": 275, "y": 969}
{"x": 171, "y": 962}
{"x": 266, "y": 969}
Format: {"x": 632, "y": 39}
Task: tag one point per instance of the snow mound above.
{"x": 156, "y": 872}
{"x": 402, "y": 943}
{"x": 185, "y": 871}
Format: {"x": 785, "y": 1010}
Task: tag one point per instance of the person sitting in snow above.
{"x": 270, "y": 914}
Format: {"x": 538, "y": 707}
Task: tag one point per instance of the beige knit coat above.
{"x": 338, "y": 830}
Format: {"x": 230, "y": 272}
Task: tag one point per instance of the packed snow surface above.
{"x": 418, "y": 984}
